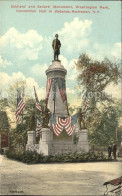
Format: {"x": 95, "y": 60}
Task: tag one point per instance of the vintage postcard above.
{"x": 60, "y": 98}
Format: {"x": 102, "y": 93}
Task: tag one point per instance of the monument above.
{"x": 57, "y": 133}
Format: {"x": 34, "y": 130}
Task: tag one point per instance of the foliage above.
{"x": 103, "y": 111}
{"x": 102, "y": 126}
{"x": 33, "y": 157}
{"x": 18, "y": 135}
{"x": 70, "y": 108}
{"x": 3, "y": 104}
{"x": 12, "y": 93}
{"x": 4, "y": 123}
{"x": 94, "y": 76}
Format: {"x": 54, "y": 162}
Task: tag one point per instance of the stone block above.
{"x": 31, "y": 137}
{"x": 47, "y": 135}
{"x": 83, "y": 135}
{"x": 45, "y": 141}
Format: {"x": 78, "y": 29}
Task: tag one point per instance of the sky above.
{"x": 26, "y": 41}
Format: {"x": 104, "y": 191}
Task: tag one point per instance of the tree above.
{"x": 102, "y": 128}
{"x": 12, "y": 93}
{"x": 94, "y": 76}
{"x": 103, "y": 116}
{"x": 3, "y": 104}
{"x": 18, "y": 134}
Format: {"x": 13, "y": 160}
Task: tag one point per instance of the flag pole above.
{"x": 66, "y": 100}
{"x": 22, "y": 117}
{"x": 67, "y": 106}
{"x": 22, "y": 110}
{"x": 54, "y": 91}
{"x": 54, "y": 105}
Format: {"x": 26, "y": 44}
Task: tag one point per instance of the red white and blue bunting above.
{"x": 59, "y": 124}
{"x": 48, "y": 88}
{"x": 51, "y": 82}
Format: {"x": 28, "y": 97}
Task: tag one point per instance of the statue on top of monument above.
{"x": 56, "y": 47}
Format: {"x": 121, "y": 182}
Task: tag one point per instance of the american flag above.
{"x": 63, "y": 94}
{"x": 53, "y": 118}
{"x": 58, "y": 127}
{"x": 20, "y": 105}
{"x": 48, "y": 88}
{"x": 63, "y": 123}
{"x": 37, "y": 101}
{"x": 71, "y": 129}
{"x": 62, "y": 88}
{"x": 74, "y": 119}
{"x": 67, "y": 124}
{"x": 38, "y": 126}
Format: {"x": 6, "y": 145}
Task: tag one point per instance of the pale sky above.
{"x": 26, "y": 40}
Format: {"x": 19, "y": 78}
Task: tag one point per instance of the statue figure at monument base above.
{"x": 45, "y": 118}
{"x": 81, "y": 121}
{"x": 32, "y": 122}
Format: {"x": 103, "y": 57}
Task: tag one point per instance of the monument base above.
{"x": 48, "y": 146}
{"x": 83, "y": 143}
{"x": 45, "y": 141}
{"x": 31, "y": 143}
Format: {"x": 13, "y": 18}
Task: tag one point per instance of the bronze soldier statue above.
{"x": 45, "y": 118}
{"x": 81, "y": 120}
{"x": 32, "y": 122}
{"x": 56, "y": 47}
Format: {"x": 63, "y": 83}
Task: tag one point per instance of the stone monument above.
{"x": 56, "y": 103}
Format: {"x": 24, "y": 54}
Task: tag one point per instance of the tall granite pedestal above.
{"x": 58, "y": 107}
{"x": 49, "y": 143}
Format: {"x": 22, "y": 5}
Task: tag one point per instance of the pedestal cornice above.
{"x": 56, "y": 67}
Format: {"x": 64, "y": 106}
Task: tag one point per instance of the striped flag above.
{"x": 74, "y": 119}
{"x": 58, "y": 127}
{"x": 38, "y": 106}
{"x": 38, "y": 126}
{"x": 20, "y": 105}
{"x": 70, "y": 129}
{"x": 62, "y": 88}
{"x": 67, "y": 124}
{"x": 53, "y": 118}
{"x": 48, "y": 88}
{"x": 63, "y": 123}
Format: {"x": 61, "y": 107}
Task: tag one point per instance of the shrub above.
{"x": 30, "y": 157}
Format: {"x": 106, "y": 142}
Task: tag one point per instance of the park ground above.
{"x": 68, "y": 179}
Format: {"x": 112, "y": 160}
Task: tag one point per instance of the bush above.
{"x": 30, "y": 157}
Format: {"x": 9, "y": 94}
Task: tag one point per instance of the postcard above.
{"x": 60, "y": 97}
